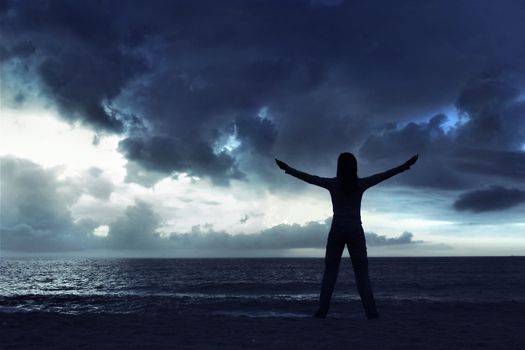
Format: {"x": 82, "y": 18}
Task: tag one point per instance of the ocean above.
{"x": 285, "y": 287}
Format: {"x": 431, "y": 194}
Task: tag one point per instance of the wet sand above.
{"x": 406, "y": 326}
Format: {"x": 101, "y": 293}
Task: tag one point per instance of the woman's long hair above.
{"x": 347, "y": 171}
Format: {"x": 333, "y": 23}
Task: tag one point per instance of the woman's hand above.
{"x": 411, "y": 161}
{"x": 281, "y": 164}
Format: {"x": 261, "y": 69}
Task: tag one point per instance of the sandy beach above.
{"x": 414, "y": 325}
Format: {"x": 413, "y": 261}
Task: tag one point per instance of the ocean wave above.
{"x": 128, "y": 286}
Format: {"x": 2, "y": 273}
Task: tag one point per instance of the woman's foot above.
{"x": 319, "y": 314}
{"x": 373, "y": 316}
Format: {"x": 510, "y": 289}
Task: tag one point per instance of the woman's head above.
{"x": 346, "y": 165}
{"x": 347, "y": 170}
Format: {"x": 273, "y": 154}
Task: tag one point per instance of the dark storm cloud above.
{"x": 413, "y": 136}
{"x": 136, "y": 229}
{"x": 164, "y": 155}
{"x": 493, "y": 198}
{"x": 19, "y": 50}
{"x": 311, "y": 235}
{"x": 373, "y": 239}
{"x": 488, "y": 145}
{"x": 36, "y": 208}
{"x": 38, "y": 219}
{"x": 33, "y": 193}
{"x": 496, "y": 112}
{"x": 507, "y": 165}
{"x": 284, "y": 236}
{"x": 19, "y": 99}
{"x": 257, "y": 133}
{"x": 82, "y": 63}
{"x": 331, "y": 74}
{"x": 96, "y": 184}
{"x": 426, "y": 138}
{"x": 82, "y": 93}
{"x": 35, "y": 213}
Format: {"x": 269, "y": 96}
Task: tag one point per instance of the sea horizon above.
{"x": 247, "y": 257}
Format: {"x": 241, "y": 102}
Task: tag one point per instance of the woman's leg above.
{"x": 332, "y": 259}
{"x": 358, "y": 254}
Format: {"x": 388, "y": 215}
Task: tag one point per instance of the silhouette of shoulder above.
{"x": 325, "y": 182}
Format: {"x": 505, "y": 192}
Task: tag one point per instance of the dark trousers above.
{"x": 346, "y": 232}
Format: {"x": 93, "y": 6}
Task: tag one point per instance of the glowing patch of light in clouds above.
{"x": 227, "y": 143}
{"x": 454, "y": 119}
{"x": 101, "y": 231}
{"x": 263, "y": 113}
{"x": 43, "y": 138}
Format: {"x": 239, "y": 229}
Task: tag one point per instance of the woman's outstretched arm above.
{"x": 377, "y": 178}
{"x": 311, "y": 179}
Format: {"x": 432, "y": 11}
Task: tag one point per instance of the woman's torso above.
{"x": 346, "y": 204}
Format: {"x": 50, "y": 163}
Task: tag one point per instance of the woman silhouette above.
{"x": 346, "y": 191}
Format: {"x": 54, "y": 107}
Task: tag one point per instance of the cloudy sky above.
{"x": 151, "y": 128}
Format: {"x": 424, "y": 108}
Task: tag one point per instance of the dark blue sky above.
{"x": 214, "y": 90}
